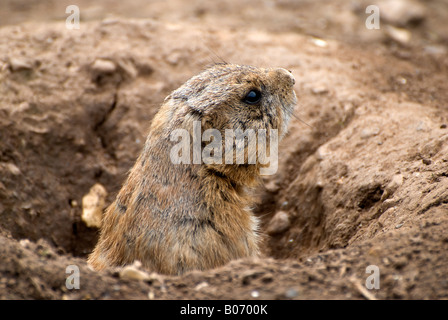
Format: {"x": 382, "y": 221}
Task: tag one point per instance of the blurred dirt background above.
{"x": 363, "y": 174}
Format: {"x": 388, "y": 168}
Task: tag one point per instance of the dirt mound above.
{"x": 363, "y": 172}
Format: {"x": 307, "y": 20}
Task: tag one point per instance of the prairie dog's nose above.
{"x": 286, "y": 76}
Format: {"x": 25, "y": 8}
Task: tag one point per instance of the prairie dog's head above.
{"x": 229, "y": 96}
{"x": 237, "y": 99}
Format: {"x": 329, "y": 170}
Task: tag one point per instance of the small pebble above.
{"x": 93, "y": 204}
{"x": 255, "y": 294}
{"x": 279, "y": 223}
{"x": 369, "y": 132}
{"x": 201, "y": 285}
{"x": 319, "y": 42}
{"x": 132, "y": 273}
{"x": 402, "y": 80}
{"x": 11, "y": 167}
{"x": 401, "y": 12}
{"x": 103, "y": 66}
{"x": 73, "y": 203}
{"x": 19, "y": 64}
{"x": 291, "y": 293}
{"x": 319, "y": 90}
{"x": 402, "y": 36}
{"x": 435, "y": 50}
{"x": 267, "y": 278}
{"x": 25, "y": 243}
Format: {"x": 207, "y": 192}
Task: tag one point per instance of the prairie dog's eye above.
{"x": 252, "y": 97}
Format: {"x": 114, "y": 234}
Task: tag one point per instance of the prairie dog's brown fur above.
{"x": 179, "y": 217}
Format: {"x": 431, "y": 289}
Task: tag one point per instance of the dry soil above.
{"x": 363, "y": 172}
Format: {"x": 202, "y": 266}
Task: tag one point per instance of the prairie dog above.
{"x": 178, "y": 217}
